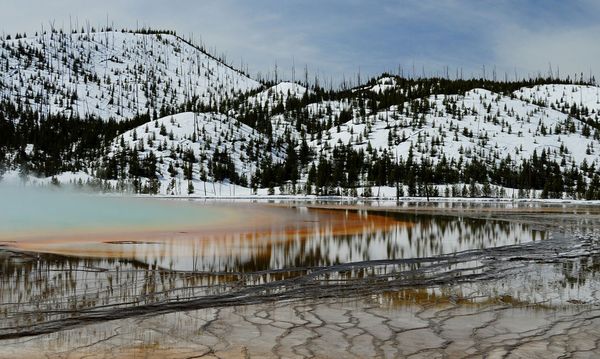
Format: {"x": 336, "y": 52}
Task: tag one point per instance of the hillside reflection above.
{"x": 319, "y": 238}
{"x": 55, "y": 280}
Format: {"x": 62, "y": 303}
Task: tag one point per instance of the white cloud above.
{"x": 573, "y": 50}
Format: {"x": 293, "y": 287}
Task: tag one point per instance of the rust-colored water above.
{"x": 245, "y": 232}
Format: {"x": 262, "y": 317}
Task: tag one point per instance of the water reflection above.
{"x": 315, "y": 238}
{"x": 60, "y": 283}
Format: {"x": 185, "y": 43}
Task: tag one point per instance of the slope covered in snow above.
{"x": 566, "y": 98}
{"x": 265, "y": 110}
{"x": 189, "y": 146}
{"x": 113, "y": 74}
{"x": 277, "y": 95}
{"x": 480, "y": 124}
{"x": 533, "y": 134}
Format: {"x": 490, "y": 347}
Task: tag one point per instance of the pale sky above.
{"x": 337, "y": 38}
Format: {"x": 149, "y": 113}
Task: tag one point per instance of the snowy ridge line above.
{"x": 114, "y": 74}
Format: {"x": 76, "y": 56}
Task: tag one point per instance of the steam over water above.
{"x": 26, "y": 211}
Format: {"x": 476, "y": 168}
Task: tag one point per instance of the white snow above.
{"x": 113, "y": 74}
{"x": 203, "y": 134}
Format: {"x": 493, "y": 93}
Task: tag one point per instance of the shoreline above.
{"x": 366, "y": 200}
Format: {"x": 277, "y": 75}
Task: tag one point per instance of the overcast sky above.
{"x": 337, "y": 38}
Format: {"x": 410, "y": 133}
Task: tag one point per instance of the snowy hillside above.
{"x": 191, "y": 146}
{"x": 265, "y": 109}
{"x": 565, "y": 97}
{"x": 185, "y": 119}
{"x": 113, "y": 74}
{"x": 383, "y": 84}
{"x": 449, "y": 130}
{"x": 277, "y": 95}
{"x": 480, "y": 124}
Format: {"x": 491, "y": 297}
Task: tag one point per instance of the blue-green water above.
{"x": 34, "y": 210}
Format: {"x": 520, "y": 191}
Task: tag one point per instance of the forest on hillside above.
{"x": 414, "y": 134}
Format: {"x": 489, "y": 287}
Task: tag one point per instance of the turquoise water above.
{"x": 34, "y": 210}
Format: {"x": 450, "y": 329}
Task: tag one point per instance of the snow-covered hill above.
{"x": 480, "y": 124}
{"x": 277, "y": 95}
{"x": 271, "y": 104}
{"x": 286, "y": 135}
{"x": 564, "y": 97}
{"x": 189, "y": 146}
{"x": 113, "y": 74}
{"x": 477, "y": 126}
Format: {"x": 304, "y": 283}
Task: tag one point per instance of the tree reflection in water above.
{"x": 329, "y": 253}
